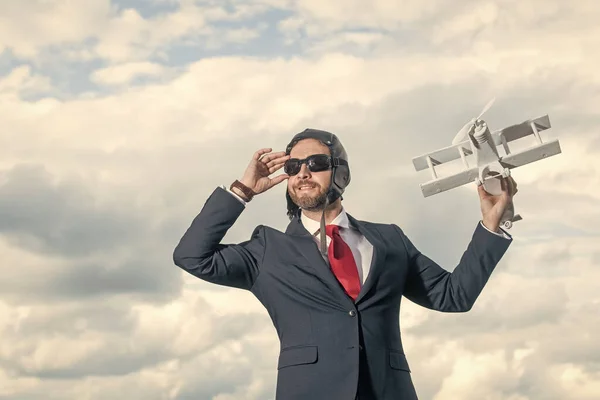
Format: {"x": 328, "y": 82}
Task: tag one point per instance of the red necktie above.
{"x": 342, "y": 262}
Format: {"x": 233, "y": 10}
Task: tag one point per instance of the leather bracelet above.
{"x": 249, "y": 193}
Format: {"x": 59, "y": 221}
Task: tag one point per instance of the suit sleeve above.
{"x": 201, "y": 253}
{"x": 433, "y": 287}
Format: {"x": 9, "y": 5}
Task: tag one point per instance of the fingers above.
{"x": 503, "y": 185}
{"x": 270, "y": 159}
{"x": 480, "y": 189}
{"x": 514, "y": 186}
{"x": 278, "y": 179}
{"x": 509, "y": 186}
{"x": 275, "y": 167}
{"x": 260, "y": 152}
{"x": 271, "y": 156}
{"x": 483, "y": 194}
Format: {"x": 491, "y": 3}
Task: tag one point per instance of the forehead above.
{"x": 308, "y": 147}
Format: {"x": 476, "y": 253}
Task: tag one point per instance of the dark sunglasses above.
{"x": 314, "y": 163}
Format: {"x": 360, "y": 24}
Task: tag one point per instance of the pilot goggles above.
{"x": 314, "y": 163}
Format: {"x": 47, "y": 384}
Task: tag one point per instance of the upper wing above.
{"x": 510, "y": 133}
{"x": 523, "y": 129}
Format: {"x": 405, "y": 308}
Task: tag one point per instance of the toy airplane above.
{"x": 475, "y": 138}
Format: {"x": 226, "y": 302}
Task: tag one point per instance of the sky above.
{"x": 118, "y": 119}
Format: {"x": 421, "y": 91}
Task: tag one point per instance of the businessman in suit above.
{"x": 333, "y": 284}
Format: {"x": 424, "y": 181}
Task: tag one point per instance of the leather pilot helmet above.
{"x": 340, "y": 175}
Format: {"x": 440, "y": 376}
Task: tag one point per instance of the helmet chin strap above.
{"x": 322, "y": 231}
{"x": 323, "y": 235}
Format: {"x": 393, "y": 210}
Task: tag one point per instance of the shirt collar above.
{"x": 314, "y": 226}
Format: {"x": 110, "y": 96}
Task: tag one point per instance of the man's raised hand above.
{"x": 493, "y": 207}
{"x": 263, "y": 164}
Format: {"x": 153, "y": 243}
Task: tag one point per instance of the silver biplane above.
{"x": 476, "y": 139}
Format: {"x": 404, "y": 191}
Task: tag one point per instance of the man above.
{"x": 336, "y": 311}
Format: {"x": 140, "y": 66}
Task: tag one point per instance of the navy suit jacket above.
{"x": 326, "y": 338}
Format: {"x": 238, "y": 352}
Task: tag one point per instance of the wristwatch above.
{"x": 249, "y": 193}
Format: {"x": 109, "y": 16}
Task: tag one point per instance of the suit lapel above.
{"x": 310, "y": 250}
{"x": 378, "y": 255}
{"x": 313, "y": 255}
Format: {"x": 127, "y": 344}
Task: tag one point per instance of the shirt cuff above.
{"x": 234, "y": 195}
{"x": 501, "y": 234}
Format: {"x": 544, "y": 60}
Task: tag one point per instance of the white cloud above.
{"x": 480, "y": 16}
{"x": 162, "y": 342}
{"x": 129, "y": 36}
{"x": 25, "y": 27}
{"x": 582, "y": 385}
{"x": 121, "y": 35}
{"x": 489, "y": 376}
{"x": 124, "y": 73}
{"x": 259, "y": 96}
{"x": 378, "y": 13}
{"x": 21, "y": 81}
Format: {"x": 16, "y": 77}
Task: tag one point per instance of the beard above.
{"x": 310, "y": 202}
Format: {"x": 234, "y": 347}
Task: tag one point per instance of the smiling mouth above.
{"x": 305, "y": 188}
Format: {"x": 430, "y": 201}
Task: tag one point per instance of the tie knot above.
{"x": 331, "y": 230}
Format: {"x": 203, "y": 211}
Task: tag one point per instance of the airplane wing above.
{"x": 523, "y": 129}
{"x": 511, "y": 161}
{"x": 443, "y": 155}
{"x": 453, "y": 152}
{"x": 439, "y": 185}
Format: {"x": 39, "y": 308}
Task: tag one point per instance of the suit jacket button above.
{"x": 352, "y": 313}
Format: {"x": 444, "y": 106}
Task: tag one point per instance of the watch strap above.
{"x": 249, "y": 193}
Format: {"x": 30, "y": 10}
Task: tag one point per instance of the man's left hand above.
{"x": 493, "y": 207}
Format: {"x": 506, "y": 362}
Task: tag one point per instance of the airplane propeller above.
{"x": 487, "y": 107}
{"x": 462, "y": 134}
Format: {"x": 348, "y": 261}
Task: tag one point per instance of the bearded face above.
{"x": 308, "y": 189}
{"x": 309, "y": 196}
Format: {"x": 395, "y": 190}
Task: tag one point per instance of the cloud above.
{"x": 27, "y": 27}
{"x": 22, "y": 82}
{"x": 129, "y": 36}
{"x": 492, "y": 376}
{"x": 118, "y": 35}
{"x": 378, "y": 13}
{"x": 55, "y": 218}
{"x": 481, "y": 15}
{"x": 125, "y": 73}
{"x": 62, "y": 243}
{"x": 145, "y": 349}
{"x": 114, "y": 338}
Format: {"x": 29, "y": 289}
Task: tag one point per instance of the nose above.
{"x": 304, "y": 172}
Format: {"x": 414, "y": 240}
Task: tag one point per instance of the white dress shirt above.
{"x": 362, "y": 249}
